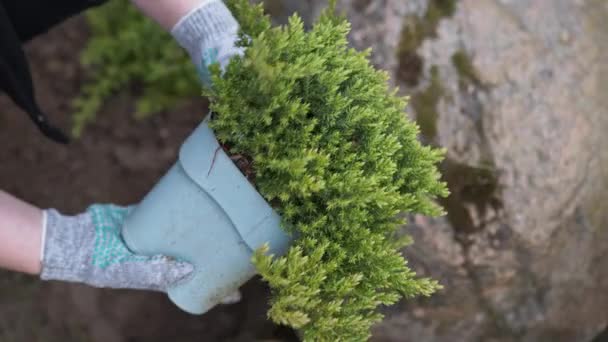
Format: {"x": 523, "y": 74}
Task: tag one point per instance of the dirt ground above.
{"x": 117, "y": 160}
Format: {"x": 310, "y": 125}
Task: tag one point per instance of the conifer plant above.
{"x": 332, "y": 151}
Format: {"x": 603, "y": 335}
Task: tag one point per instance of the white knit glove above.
{"x": 88, "y": 248}
{"x": 209, "y": 33}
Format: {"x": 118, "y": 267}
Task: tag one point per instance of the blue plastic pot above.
{"x": 206, "y": 212}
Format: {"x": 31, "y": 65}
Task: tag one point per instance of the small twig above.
{"x": 213, "y": 161}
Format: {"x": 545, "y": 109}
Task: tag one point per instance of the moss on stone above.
{"x": 425, "y": 103}
{"x": 410, "y": 63}
{"x": 360, "y": 5}
{"x": 464, "y": 66}
{"x": 415, "y": 30}
{"x": 437, "y": 10}
{"x": 275, "y": 8}
{"x": 470, "y": 187}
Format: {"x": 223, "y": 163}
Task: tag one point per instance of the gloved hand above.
{"x": 88, "y": 248}
{"x": 209, "y": 33}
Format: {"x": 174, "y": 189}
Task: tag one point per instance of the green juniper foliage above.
{"x": 127, "y": 48}
{"x": 334, "y": 153}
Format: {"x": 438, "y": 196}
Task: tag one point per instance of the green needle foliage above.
{"x": 128, "y": 49}
{"x": 334, "y": 153}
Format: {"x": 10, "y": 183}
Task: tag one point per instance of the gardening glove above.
{"x": 88, "y": 248}
{"x": 209, "y": 33}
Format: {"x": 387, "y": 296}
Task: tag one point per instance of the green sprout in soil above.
{"x": 333, "y": 152}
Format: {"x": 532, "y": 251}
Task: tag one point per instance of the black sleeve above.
{"x": 33, "y": 17}
{"x": 20, "y": 21}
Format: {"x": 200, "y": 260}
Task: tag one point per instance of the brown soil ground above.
{"x": 117, "y": 160}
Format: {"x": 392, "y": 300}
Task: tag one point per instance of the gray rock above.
{"x": 516, "y": 91}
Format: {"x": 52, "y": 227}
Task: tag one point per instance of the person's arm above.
{"x": 20, "y": 235}
{"x": 86, "y": 248}
{"x": 205, "y": 28}
{"x": 167, "y": 12}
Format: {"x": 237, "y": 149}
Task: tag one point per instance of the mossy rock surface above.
{"x": 415, "y": 30}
